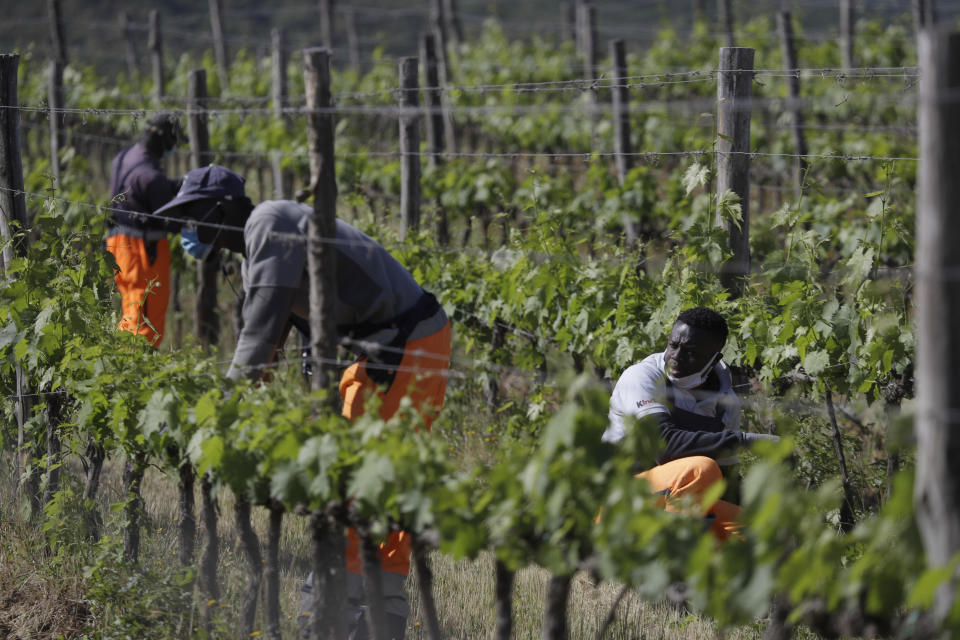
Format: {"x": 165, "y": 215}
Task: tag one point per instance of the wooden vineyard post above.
{"x": 278, "y": 57}
{"x": 155, "y": 45}
{"x": 621, "y": 125}
{"x": 321, "y": 230}
{"x": 725, "y": 18}
{"x": 13, "y": 209}
{"x": 329, "y": 603}
{"x": 454, "y": 26}
{"x": 434, "y": 99}
{"x": 847, "y": 20}
{"x": 789, "y": 51}
{"x": 555, "y": 612}
{"x": 734, "y": 82}
{"x": 206, "y": 318}
{"x": 57, "y": 137}
{"x": 503, "y": 587}
{"x": 698, "y": 9}
{"x": 433, "y": 117}
{"x": 353, "y": 40}
{"x": 219, "y": 44}
{"x": 937, "y": 272}
{"x": 409, "y": 147}
{"x": 568, "y": 17}
{"x": 278, "y": 48}
{"x": 281, "y": 185}
{"x": 57, "y": 41}
{"x": 587, "y": 38}
{"x": 443, "y": 71}
{"x": 126, "y": 32}
{"x": 924, "y": 14}
{"x": 326, "y": 24}
{"x": 271, "y": 573}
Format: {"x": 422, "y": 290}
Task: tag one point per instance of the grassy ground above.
{"x": 44, "y": 594}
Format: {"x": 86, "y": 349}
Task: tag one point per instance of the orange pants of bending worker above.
{"x": 691, "y": 477}
{"x": 421, "y": 376}
{"x": 144, "y": 285}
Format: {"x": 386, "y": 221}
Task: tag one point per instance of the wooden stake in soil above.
{"x": 372, "y": 586}
{"x": 725, "y": 18}
{"x": 443, "y": 70}
{"x": 57, "y": 137}
{"x": 326, "y": 24}
{"x": 847, "y": 24}
{"x": 329, "y": 614}
{"x": 454, "y": 26}
{"x": 924, "y": 14}
{"x": 504, "y": 602}
{"x": 155, "y": 45}
{"x": 409, "y": 147}
{"x": 13, "y": 210}
{"x": 433, "y": 116}
{"x": 621, "y": 125}
{"x": 789, "y": 51}
{"x": 434, "y": 100}
{"x": 281, "y": 183}
{"x": 734, "y": 90}
{"x": 271, "y": 574}
{"x": 322, "y": 225}
{"x": 937, "y": 419}
{"x": 57, "y": 41}
{"x": 278, "y": 51}
{"x": 587, "y": 38}
{"x": 568, "y": 14}
{"x": 126, "y": 32}
{"x": 353, "y": 39}
{"x": 219, "y": 45}
{"x": 555, "y": 613}
{"x": 206, "y": 318}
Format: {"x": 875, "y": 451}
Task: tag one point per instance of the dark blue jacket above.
{"x": 137, "y": 186}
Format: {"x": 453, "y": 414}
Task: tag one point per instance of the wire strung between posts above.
{"x": 506, "y": 253}
{"x": 646, "y": 106}
{"x": 584, "y": 84}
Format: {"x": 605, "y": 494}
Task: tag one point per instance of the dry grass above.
{"x": 465, "y": 601}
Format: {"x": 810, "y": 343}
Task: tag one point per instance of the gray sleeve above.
{"x": 266, "y": 311}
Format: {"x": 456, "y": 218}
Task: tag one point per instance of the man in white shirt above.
{"x": 688, "y": 392}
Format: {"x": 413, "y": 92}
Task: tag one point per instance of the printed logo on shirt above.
{"x": 643, "y": 403}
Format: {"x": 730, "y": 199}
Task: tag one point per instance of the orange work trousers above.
{"x": 144, "y": 285}
{"x": 691, "y": 477}
{"x": 421, "y": 376}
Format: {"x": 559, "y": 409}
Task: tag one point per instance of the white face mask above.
{"x": 694, "y": 379}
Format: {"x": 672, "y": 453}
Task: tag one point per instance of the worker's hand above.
{"x": 750, "y": 438}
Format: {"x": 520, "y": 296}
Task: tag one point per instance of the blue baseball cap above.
{"x": 212, "y": 182}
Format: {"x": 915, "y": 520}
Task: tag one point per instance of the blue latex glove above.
{"x": 192, "y": 245}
